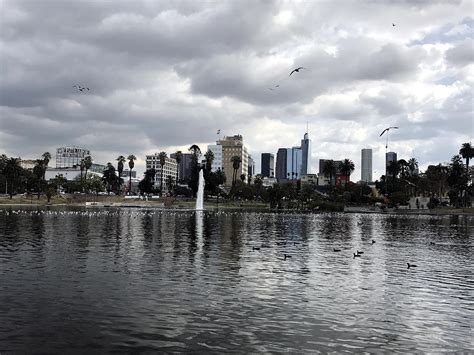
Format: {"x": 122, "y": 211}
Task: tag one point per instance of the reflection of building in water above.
{"x": 68, "y": 157}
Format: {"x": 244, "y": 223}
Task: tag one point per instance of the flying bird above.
{"x": 393, "y": 25}
{"x": 273, "y": 88}
{"x": 386, "y": 130}
{"x": 296, "y": 70}
{"x": 81, "y": 88}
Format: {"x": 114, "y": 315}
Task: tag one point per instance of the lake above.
{"x": 122, "y": 280}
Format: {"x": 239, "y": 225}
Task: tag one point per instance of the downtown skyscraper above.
{"x": 293, "y": 163}
{"x": 366, "y": 165}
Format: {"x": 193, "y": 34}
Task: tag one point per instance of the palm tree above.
{"x": 12, "y": 171}
{"x": 412, "y": 165}
{"x": 195, "y": 150}
{"x": 121, "y": 159}
{"x": 347, "y": 167}
{"x": 109, "y": 177}
{"x": 162, "y": 156}
{"x": 330, "y": 169}
{"x": 82, "y": 167}
{"x": 209, "y": 159}
{"x": 178, "y": 157}
{"x": 467, "y": 152}
{"x": 194, "y": 179}
{"x": 169, "y": 182}
{"x": 46, "y": 158}
{"x": 131, "y": 163}
{"x": 403, "y": 167}
{"x": 87, "y": 163}
{"x": 38, "y": 172}
{"x": 236, "y": 160}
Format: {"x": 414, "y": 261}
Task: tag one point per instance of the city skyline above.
{"x": 153, "y": 90}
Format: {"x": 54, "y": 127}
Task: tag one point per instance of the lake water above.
{"x": 170, "y": 281}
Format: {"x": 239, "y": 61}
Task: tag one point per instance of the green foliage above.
{"x": 110, "y": 178}
{"x": 146, "y": 184}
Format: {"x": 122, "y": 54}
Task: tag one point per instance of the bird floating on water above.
{"x": 287, "y": 256}
{"x": 356, "y": 255}
{"x": 336, "y": 250}
{"x": 410, "y": 265}
{"x": 255, "y": 248}
{"x": 373, "y": 241}
{"x": 360, "y": 252}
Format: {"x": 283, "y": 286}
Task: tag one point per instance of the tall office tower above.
{"x": 184, "y": 168}
{"x": 306, "y": 155}
{"x": 280, "y": 168}
{"x": 251, "y": 169}
{"x": 268, "y": 163}
{"x": 216, "y": 149}
{"x": 366, "y": 164}
{"x": 233, "y": 146}
{"x": 293, "y": 163}
{"x": 390, "y": 157}
{"x": 67, "y": 157}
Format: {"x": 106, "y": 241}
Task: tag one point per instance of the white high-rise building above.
{"x": 366, "y": 164}
{"x": 170, "y": 169}
{"x": 216, "y": 149}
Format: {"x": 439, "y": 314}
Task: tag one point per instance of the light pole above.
{"x": 386, "y": 148}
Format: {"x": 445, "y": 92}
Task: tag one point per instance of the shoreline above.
{"x": 214, "y": 207}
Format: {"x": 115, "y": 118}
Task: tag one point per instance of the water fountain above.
{"x": 200, "y": 192}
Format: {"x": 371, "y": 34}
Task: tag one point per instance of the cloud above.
{"x": 164, "y": 75}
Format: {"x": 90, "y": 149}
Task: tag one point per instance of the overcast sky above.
{"x": 167, "y": 74}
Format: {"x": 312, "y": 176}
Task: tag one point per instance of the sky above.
{"x": 164, "y": 75}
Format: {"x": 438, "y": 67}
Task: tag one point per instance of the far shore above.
{"x": 188, "y": 204}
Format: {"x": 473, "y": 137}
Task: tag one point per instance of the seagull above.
{"x": 373, "y": 241}
{"x": 273, "y": 88}
{"x": 336, "y": 250}
{"x": 393, "y": 25}
{"x": 410, "y": 265}
{"x": 255, "y": 248}
{"x": 287, "y": 256}
{"x": 296, "y": 70}
{"x": 387, "y": 129}
{"x": 356, "y": 255}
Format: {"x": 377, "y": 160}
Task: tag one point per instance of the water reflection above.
{"x": 153, "y": 280}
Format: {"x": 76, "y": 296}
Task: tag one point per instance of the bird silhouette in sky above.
{"x": 273, "y": 88}
{"x": 386, "y": 130}
{"x": 296, "y": 70}
{"x": 81, "y": 88}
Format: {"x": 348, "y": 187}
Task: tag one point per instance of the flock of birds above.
{"x": 99, "y": 213}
